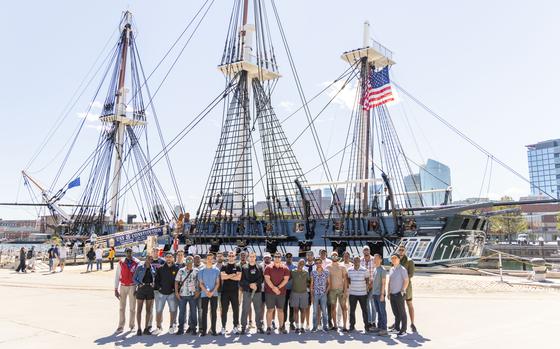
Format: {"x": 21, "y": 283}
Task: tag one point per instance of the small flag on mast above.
{"x": 74, "y": 183}
{"x": 378, "y": 90}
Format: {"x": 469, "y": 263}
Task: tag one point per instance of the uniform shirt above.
{"x": 319, "y": 282}
{"x": 230, "y": 285}
{"x": 300, "y": 281}
{"x": 276, "y": 275}
{"x": 379, "y": 274}
{"x": 358, "y": 281}
{"x": 189, "y": 281}
{"x": 209, "y": 278}
{"x": 397, "y": 277}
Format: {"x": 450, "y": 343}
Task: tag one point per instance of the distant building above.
{"x": 544, "y": 167}
{"x": 470, "y": 201}
{"x": 542, "y": 219}
{"x": 432, "y": 176}
{"x": 260, "y": 207}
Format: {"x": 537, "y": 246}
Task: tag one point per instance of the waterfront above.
{"x": 73, "y": 309}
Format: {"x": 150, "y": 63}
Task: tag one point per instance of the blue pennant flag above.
{"x": 74, "y": 183}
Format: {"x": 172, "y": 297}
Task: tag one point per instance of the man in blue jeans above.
{"x": 187, "y": 292}
{"x": 378, "y": 292}
{"x": 319, "y": 289}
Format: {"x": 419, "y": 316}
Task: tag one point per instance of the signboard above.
{"x": 136, "y": 236}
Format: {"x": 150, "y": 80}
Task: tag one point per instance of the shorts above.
{"x": 334, "y": 294}
{"x": 299, "y": 300}
{"x": 145, "y": 293}
{"x": 61, "y": 260}
{"x": 409, "y": 293}
{"x": 274, "y": 301}
{"x": 170, "y": 299}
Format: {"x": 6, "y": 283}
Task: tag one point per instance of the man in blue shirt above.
{"x": 209, "y": 281}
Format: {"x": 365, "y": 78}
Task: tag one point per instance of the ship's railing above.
{"x": 382, "y": 49}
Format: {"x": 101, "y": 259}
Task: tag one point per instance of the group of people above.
{"x": 275, "y": 295}
{"x": 96, "y": 256}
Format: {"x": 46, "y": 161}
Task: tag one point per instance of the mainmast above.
{"x": 120, "y": 120}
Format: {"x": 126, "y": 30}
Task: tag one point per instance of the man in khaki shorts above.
{"x": 338, "y": 281}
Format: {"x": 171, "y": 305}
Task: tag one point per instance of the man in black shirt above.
{"x": 164, "y": 286}
{"x": 252, "y": 278}
{"x": 230, "y": 274}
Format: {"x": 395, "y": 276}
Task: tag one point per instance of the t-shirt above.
{"x": 397, "y": 277}
{"x": 379, "y": 274}
{"x": 300, "y": 281}
{"x": 62, "y": 252}
{"x": 99, "y": 254}
{"x": 319, "y": 282}
{"x": 209, "y": 277}
{"x": 251, "y": 274}
{"x": 189, "y": 280}
{"x": 338, "y": 274}
{"x": 230, "y": 285}
{"x": 290, "y": 268}
{"x": 277, "y": 275}
{"x": 358, "y": 284}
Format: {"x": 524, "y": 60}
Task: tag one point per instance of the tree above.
{"x": 508, "y": 223}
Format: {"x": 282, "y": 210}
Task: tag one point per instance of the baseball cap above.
{"x": 128, "y": 249}
{"x": 266, "y": 254}
{"x": 288, "y": 255}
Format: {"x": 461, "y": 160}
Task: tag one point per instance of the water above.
{"x": 507, "y": 264}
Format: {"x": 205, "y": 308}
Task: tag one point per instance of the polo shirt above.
{"x": 397, "y": 276}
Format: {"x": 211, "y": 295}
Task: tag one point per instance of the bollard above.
{"x": 500, "y": 266}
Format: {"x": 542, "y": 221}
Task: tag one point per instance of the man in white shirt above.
{"x": 99, "y": 257}
{"x": 62, "y": 254}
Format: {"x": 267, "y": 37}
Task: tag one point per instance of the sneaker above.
{"x": 139, "y": 332}
{"x": 325, "y": 329}
{"x": 352, "y": 329}
{"x": 314, "y": 329}
{"x": 392, "y": 327}
{"x": 292, "y": 327}
{"x": 307, "y": 329}
{"x": 413, "y": 328}
{"x": 180, "y": 332}
{"x": 382, "y": 333}
{"x": 401, "y": 333}
{"x": 344, "y": 329}
{"x": 214, "y": 333}
{"x": 235, "y": 331}
{"x": 243, "y": 331}
{"x": 119, "y": 330}
{"x": 283, "y": 330}
{"x": 171, "y": 329}
{"x": 223, "y": 331}
{"x": 251, "y": 324}
{"x": 158, "y": 330}
{"x": 273, "y": 325}
{"x": 268, "y": 330}
{"x": 147, "y": 331}
{"x": 260, "y": 330}
{"x": 202, "y": 333}
{"x": 190, "y": 330}
{"x": 333, "y": 328}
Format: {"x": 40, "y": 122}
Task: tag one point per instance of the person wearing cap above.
{"x": 164, "y": 286}
{"x": 276, "y": 278}
{"x": 144, "y": 277}
{"x": 291, "y": 266}
{"x": 230, "y": 275}
{"x": 408, "y": 264}
{"x": 252, "y": 278}
{"x": 124, "y": 288}
{"x": 209, "y": 281}
{"x": 398, "y": 282}
{"x": 367, "y": 262}
{"x": 338, "y": 281}
{"x": 319, "y": 290}
{"x": 187, "y": 291}
{"x": 299, "y": 298}
{"x": 358, "y": 286}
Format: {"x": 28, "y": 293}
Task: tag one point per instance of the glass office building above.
{"x": 544, "y": 167}
{"x": 432, "y": 180}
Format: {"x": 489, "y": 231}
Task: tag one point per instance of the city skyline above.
{"x": 438, "y": 76}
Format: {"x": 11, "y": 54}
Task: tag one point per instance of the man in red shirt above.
{"x": 276, "y": 278}
{"x": 124, "y": 279}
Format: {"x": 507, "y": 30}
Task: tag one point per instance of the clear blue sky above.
{"x": 489, "y": 67}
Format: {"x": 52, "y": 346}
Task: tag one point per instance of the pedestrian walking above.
{"x": 90, "y": 255}
{"x": 22, "y": 256}
{"x": 62, "y": 254}
{"x": 51, "y": 254}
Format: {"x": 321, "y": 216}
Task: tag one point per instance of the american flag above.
{"x": 378, "y": 90}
